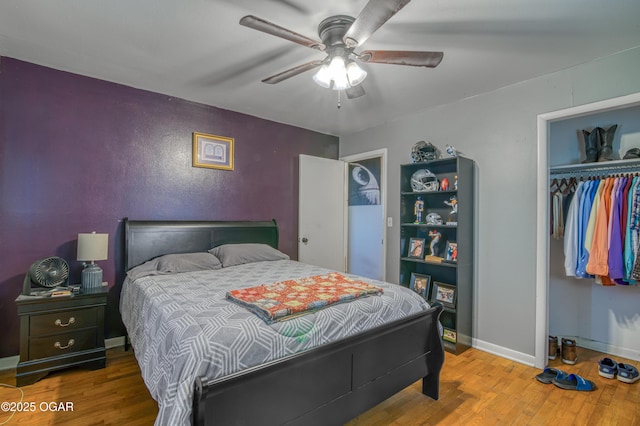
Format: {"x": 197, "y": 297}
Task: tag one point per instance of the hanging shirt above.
{"x": 588, "y": 235}
{"x": 625, "y": 205}
{"x": 558, "y": 220}
{"x": 583, "y": 220}
{"x": 599, "y": 253}
{"x": 616, "y": 264}
{"x": 635, "y": 215}
{"x": 628, "y": 240}
{"x": 571, "y": 232}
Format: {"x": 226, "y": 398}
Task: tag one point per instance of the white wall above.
{"x": 498, "y": 131}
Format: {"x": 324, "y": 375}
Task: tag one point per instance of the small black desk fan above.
{"x": 48, "y": 272}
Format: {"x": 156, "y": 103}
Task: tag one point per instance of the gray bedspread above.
{"x": 181, "y": 326}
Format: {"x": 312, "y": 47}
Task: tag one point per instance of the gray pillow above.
{"x": 237, "y": 254}
{"x": 188, "y": 262}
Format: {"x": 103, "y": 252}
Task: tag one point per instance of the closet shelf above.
{"x": 596, "y": 167}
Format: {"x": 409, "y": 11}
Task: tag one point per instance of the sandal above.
{"x": 548, "y": 374}
{"x": 574, "y": 382}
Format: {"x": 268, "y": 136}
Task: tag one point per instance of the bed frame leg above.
{"x": 431, "y": 386}
{"x": 199, "y": 400}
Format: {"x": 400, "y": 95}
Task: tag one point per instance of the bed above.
{"x": 317, "y": 375}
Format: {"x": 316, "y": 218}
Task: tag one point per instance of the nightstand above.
{"x": 60, "y": 332}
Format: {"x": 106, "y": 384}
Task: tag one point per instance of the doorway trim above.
{"x": 382, "y": 153}
{"x": 542, "y": 226}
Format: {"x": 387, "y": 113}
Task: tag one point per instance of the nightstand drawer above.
{"x": 60, "y": 344}
{"x": 62, "y": 322}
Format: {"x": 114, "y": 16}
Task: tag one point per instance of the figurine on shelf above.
{"x": 453, "y": 214}
{"x": 435, "y": 239}
{"x": 455, "y": 182}
{"x": 452, "y": 151}
{"x": 453, "y": 203}
{"x": 418, "y": 208}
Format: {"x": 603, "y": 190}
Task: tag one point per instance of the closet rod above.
{"x": 589, "y": 169}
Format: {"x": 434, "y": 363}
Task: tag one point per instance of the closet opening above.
{"x": 602, "y": 318}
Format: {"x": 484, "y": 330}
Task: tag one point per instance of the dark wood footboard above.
{"x": 330, "y": 384}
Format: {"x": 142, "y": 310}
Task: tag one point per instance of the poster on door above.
{"x": 364, "y": 182}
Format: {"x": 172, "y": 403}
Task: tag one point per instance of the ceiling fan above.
{"x": 341, "y": 35}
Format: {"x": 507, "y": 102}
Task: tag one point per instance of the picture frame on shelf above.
{"x": 213, "y": 152}
{"x": 420, "y": 284}
{"x": 449, "y": 335}
{"x": 416, "y": 248}
{"x": 444, "y": 293}
{"x": 451, "y": 253}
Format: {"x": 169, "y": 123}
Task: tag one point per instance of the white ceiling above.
{"x": 196, "y": 50}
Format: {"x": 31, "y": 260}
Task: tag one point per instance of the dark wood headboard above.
{"x": 146, "y": 239}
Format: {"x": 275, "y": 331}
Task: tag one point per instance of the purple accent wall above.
{"x": 79, "y": 154}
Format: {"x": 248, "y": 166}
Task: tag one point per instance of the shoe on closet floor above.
{"x": 569, "y": 354}
{"x": 553, "y": 347}
{"x": 607, "y": 368}
{"x": 628, "y": 373}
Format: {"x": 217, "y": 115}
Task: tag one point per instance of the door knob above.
{"x": 305, "y": 240}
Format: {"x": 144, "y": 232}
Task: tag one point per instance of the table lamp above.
{"x": 92, "y": 247}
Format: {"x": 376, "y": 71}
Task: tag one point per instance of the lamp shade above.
{"x": 93, "y": 246}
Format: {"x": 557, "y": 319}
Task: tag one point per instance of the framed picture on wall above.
{"x": 213, "y": 152}
{"x": 420, "y": 284}
{"x": 443, "y": 293}
{"x": 416, "y": 248}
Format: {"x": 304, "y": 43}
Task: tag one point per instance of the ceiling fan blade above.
{"x": 374, "y": 14}
{"x": 292, "y": 72}
{"x": 355, "y": 91}
{"x": 401, "y": 57}
{"x": 259, "y": 24}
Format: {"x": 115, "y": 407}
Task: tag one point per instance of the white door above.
{"x": 321, "y": 213}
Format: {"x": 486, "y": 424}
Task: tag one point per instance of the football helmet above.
{"x": 434, "y": 219}
{"x": 424, "y": 151}
{"x": 423, "y": 180}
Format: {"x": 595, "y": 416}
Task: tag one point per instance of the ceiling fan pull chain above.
{"x": 339, "y": 104}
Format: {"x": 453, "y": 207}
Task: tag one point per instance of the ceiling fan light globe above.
{"x": 337, "y": 67}
{"x": 323, "y": 77}
{"x": 341, "y": 82}
{"x": 355, "y": 74}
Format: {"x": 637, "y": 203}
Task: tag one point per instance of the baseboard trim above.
{"x": 9, "y": 362}
{"x": 503, "y": 352}
{"x": 114, "y": 342}
{"x": 607, "y": 348}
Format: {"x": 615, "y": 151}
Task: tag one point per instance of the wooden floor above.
{"x": 476, "y": 389}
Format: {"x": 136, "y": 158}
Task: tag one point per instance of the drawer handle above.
{"x": 59, "y": 346}
{"x": 59, "y": 322}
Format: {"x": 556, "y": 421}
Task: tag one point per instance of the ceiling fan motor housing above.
{"x": 333, "y": 29}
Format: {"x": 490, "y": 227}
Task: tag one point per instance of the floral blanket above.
{"x": 287, "y": 299}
